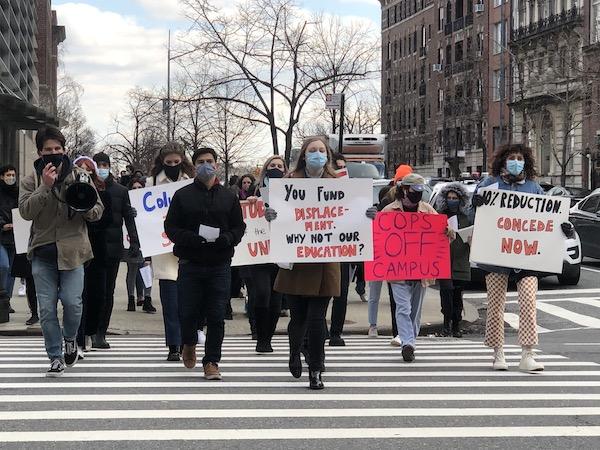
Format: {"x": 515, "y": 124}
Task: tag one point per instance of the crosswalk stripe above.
{"x": 571, "y": 316}
{"x": 268, "y": 413}
{"x": 297, "y": 434}
{"x": 560, "y": 292}
{"x": 513, "y": 321}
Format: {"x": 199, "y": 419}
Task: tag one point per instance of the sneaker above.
{"x": 499, "y": 361}
{"x": 363, "y": 298}
{"x": 336, "y": 341}
{"x": 57, "y": 368}
{"x": 373, "y": 332}
{"x": 71, "y": 354}
{"x": 174, "y": 356}
{"x": 22, "y": 291}
{"x": 263, "y": 347}
{"x": 88, "y": 344}
{"x": 80, "y": 352}
{"x": 408, "y": 353}
{"x": 10, "y": 309}
{"x": 189, "y": 356}
{"x": 32, "y": 320}
{"x": 201, "y": 337}
{"x": 211, "y": 371}
{"x": 528, "y": 363}
{"x": 284, "y": 313}
{"x": 396, "y": 342}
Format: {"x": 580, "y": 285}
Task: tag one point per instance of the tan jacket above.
{"x": 51, "y": 222}
{"x": 166, "y": 266}
{"x": 423, "y": 207}
{"x": 310, "y": 279}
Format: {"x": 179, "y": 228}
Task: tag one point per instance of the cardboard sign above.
{"x": 254, "y": 248}
{"x": 321, "y": 220}
{"x": 409, "y": 246}
{"x": 21, "y": 231}
{"x": 152, "y": 205}
{"x": 520, "y": 231}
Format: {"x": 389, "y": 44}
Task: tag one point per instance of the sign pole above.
{"x": 341, "y": 130}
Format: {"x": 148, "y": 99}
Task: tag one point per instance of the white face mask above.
{"x": 10, "y": 180}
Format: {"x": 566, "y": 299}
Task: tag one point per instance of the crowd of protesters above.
{"x": 74, "y": 257}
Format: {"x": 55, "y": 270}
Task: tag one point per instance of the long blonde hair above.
{"x": 263, "y": 171}
{"x": 301, "y": 163}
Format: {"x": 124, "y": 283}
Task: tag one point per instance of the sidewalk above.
{"x": 140, "y": 323}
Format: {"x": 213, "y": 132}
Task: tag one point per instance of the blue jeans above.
{"x": 7, "y": 256}
{"x": 52, "y": 284}
{"x": 204, "y": 292}
{"x": 408, "y": 297}
{"x": 170, "y": 310}
{"x": 374, "y": 294}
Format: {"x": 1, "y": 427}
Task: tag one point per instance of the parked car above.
{"x": 585, "y": 216}
{"x": 575, "y": 194}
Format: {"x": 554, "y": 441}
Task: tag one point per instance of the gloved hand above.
{"x": 134, "y": 250}
{"x": 371, "y": 212}
{"x": 133, "y": 212}
{"x": 450, "y": 233}
{"x": 568, "y": 229}
{"x": 223, "y": 241}
{"x": 270, "y": 214}
{"x": 477, "y": 200}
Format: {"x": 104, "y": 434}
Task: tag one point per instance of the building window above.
{"x": 423, "y": 36}
{"x": 459, "y": 9}
{"x": 497, "y": 3}
{"x": 440, "y": 99}
{"x": 458, "y": 51}
{"x": 499, "y": 37}
{"x": 497, "y": 84}
{"x": 595, "y": 22}
{"x": 440, "y": 23}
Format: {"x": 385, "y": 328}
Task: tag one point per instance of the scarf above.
{"x": 512, "y": 179}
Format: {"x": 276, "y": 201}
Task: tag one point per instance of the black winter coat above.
{"x": 98, "y": 231}
{"x": 216, "y": 207}
{"x": 9, "y": 199}
{"x": 121, "y": 211}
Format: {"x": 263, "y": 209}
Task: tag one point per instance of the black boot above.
{"x": 148, "y": 305}
{"x": 295, "y": 365}
{"x": 10, "y": 309}
{"x": 446, "y": 330}
{"x": 99, "y": 341}
{"x": 456, "y": 329}
{"x": 263, "y": 330}
{"x": 131, "y": 303}
{"x": 174, "y": 353}
{"x": 315, "y": 381}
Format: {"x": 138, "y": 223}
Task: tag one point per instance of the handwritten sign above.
{"x": 409, "y": 246}
{"x": 21, "y": 231}
{"x": 520, "y": 231}
{"x": 254, "y": 248}
{"x": 152, "y": 205}
{"x": 321, "y": 220}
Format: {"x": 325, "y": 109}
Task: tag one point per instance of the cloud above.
{"x": 363, "y": 2}
{"x": 109, "y": 54}
{"x": 162, "y": 9}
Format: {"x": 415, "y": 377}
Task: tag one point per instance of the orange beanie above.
{"x": 402, "y": 171}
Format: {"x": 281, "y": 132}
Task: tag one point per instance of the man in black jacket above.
{"x": 205, "y": 223}
{"x": 121, "y": 211}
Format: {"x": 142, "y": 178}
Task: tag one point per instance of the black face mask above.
{"x": 414, "y": 197}
{"x": 274, "y": 173}
{"x": 172, "y": 172}
{"x": 55, "y": 160}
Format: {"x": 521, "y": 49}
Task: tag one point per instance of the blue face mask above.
{"x": 103, "y": 173}
{"x": 205, "y": 172}
{"x": 315, "y": 160}
{"x": 453, "y": 204}
{"x": 515, "y": 167}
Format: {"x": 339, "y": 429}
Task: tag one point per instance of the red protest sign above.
{"x": 409, "y": 246}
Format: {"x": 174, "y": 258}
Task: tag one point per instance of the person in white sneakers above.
{"x": 513, "y": 169}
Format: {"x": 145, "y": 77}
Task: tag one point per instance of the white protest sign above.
{"x": 152, "y": 205}
{"x": 520, "y": 231}
{"x": 254, "y": 247}
{"x": 321, "y": 220}
{"x": 21, "y": 230}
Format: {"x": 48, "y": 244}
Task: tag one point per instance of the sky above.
{"x": 112, "y": 46}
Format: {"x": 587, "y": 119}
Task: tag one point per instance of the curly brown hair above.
{"x": 171, "y": 148}
{"x": 502, "y": 154}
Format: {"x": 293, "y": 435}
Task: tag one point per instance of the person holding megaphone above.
{"x": 59, "y": 245}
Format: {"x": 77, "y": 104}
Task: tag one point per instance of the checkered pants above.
{"x": 497, "y": 284}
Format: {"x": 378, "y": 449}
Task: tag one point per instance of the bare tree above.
{"x": 270, "y": 57}
{"x": 80, "y": 138}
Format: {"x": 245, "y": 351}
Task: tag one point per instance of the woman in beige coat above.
{"x": 310, "y": 286}
{"x": 171, "y": 165}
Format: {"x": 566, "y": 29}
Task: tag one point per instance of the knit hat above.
{"x": 401, "y": 172}
{"x": 101, "y": 158}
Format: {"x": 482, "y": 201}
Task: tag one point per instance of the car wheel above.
{"x": 570, "y": 277}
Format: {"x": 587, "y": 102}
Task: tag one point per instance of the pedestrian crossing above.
{"x": 449, "y": 394}
{"x": 557, "y": 310}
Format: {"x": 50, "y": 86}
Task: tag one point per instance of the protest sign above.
{"x": 254, "y": 248}
{"x": 409, "y": 246}
{"x": 321, "y": 220}
{"x": 520, "y": 231}
{"x": 152, "y": 205}
{"x": 21, "y": 230}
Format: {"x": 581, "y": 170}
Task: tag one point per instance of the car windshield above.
{"x": 363, "y": 170}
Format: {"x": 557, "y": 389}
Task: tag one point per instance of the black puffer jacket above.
{"x": 9, "y": 199}
{"x": 121, "y": 211}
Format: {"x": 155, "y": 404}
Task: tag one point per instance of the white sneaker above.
{"x": 499, "y": 361}
{"x": 88, "y": 344}
{"x": 22, "y": 291}
{"x": 79, "y": 352}
{"x": 373, "y": 332}
{"x": 396, "y": 342}
{"x": 528, "y": 363}
{"x": 201, "y": 337}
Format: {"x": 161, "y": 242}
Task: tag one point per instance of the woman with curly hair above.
{"x": 513, "y": 169}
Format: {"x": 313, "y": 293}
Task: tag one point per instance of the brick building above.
{"x": 444, "y": 96}
{"x": 29, "y": 36}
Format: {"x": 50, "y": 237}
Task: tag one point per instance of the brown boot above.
{"x": 211, "y": 371}
{"x": 189, "y": 356}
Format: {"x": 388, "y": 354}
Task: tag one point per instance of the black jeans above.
{"x": 266, "y": 303}
{"x": 340, "y": 304}
{"x": 203, "y": 292}
{"x": 451, "y": 300}
{"x": 359, "y": 277}
{"x": 94, "y": 299}
{"x": 31, "y": 297}
{"x": 392, "y": 310}
{"x": 112, "y": 270}
{"x": 307, "y": 316}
